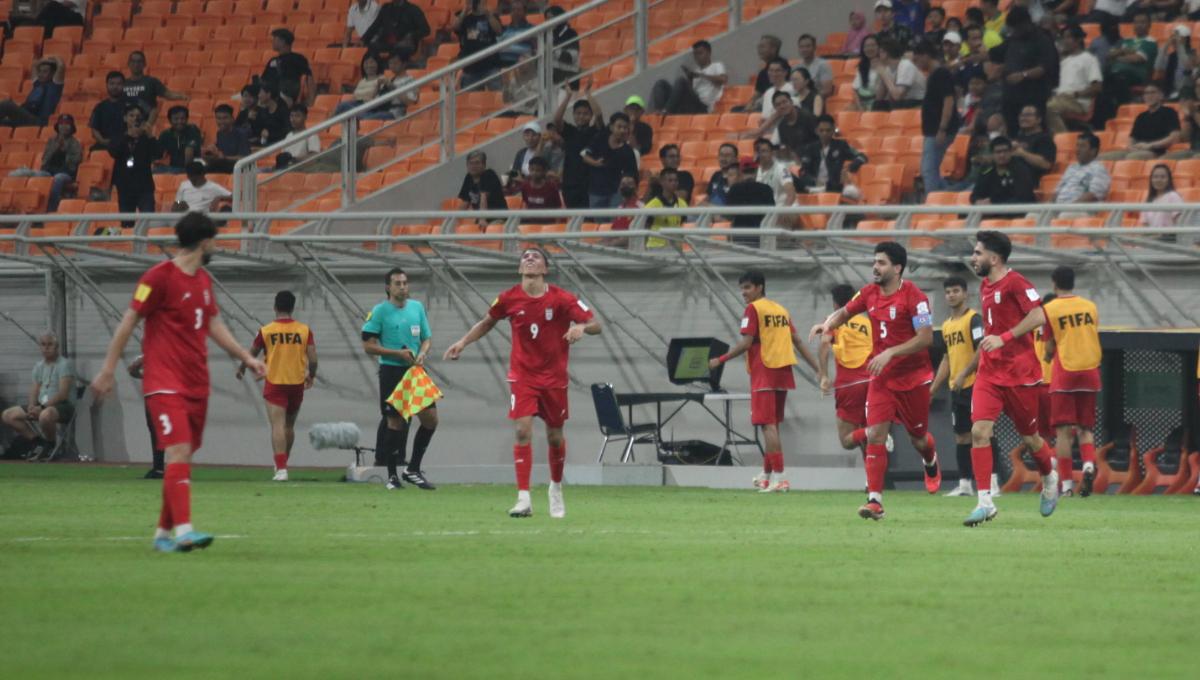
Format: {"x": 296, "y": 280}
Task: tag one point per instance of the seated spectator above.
{"x": 231, "y": 143}
{"x": 745, "y": 190}
{"x": 768, "y": 51}
{"x": 773, "y": 173}
{"x": 1086, "y": 180}
{"x": 108, "y": 118}
{"x": 610, "y": 157}
{"x": 198, "y": 194}
{"x": 1176, "y": 62}
{"x": 640, "y": 131}
{"x": 272, "y": 120}
{"x": 979, "y": 158}
{"x": 866, "y": 74}
{"x": 972, "y": 57}
{"x": 889, "y": 30}
{"x": 55, "y": 13}
{"x": 399, "y": 69}
{"x": 1154, "y": 130}
{"x": 134, "y": 152}
{"x": 951, "y": 42}
{"x": 1079, "y": 81}
{"x": 288, "y": 73}
{"x": 671, "y": 158}
{"x": 181, "y": 142}
{"x": 718, "y": 187}
{"x": 1007, "y": 181}
{"x": 1108, "y": 40}
{"x": 481, "y": 188}
{"x": 303, "y": 149}
{"x": 806, "y": 95}
{"x": 778, "y": 72}
{"x": 566, "y": 50}
{"x": 1131, "y": 63}
{"x": 146, "y": 89}
{"x": 828, "y": 163}
{"x": 794, "y": 126}
{"x": 697, "y": 90}
{"x": 360, "y": 18}
{"x": 902, "y": 85}
{"x": 535, "y": 147}
{"x": 539, "y": 192}
{"x": 1189, "y": 126}
{"x": 43, "y": 97}
{"x": 858, "y": 31}
{"x": 819, "y": 72}
{"x": 400, "y": 28}
{"x": 1161, "y": 192}
{"x": 373, "y": 83}
{"x": 972, "y": 102}
{"x": 587, "y": 122}
{"x": 478, "y": 29}
{"x": 518, "y": 23}
{"x": 60, "y": 160}
{"x": 51, "y": 400}
{"x": 993, "y": 18}
{"x": 911, "y": 13}
{"x": 248, "y": 113}
{"x": 668, "y": 197}
{"x": 628, "y": 199}
{"x": 991, "y": 37}
{"x": 1033, "y": 144}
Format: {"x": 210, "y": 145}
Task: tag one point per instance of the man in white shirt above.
{"x": 818, "y": 68}
{"x": 197, "y": 194}
{"x": 697, "y": 90}
{"x": 1080, "y": 80}
{"x": 778, "y": 71}
{"x": 304, "y": 148}
{"x": 773, "y": 173}
{"x": 359, "y": 20}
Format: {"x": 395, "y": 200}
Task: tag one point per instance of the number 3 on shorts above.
{"x": 166, "y": 424}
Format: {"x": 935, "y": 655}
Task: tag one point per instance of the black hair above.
{"x": 1018, "y": 16}
{"x": 1000, "y": 141}
{"x": 864, "y": 64}
{"x": 926, "y": 48}
{"x": 662, "y": 153}
{"x": 896, "y": 254}
{"x": 285, "y": 35}
{"x": 994, "y": 3}
{"x": 299, "y": 108}
{"x": 826, "y": 118}
{"x": 114, "y": 74}
{"x": 667, "y": 171}
{"x": 974, "y": 17}
{"x": 936, "y": 9}
{"x": 133, "y": 106}
{"x": 223, "y": 108}
{"x": 1063, "y": 277}
{"x": 581, "y": 104}
{"x": 1153, "y": 193}
{"x": 754, "y": 278}
{"x": 972, "y": 27}
{"x": 285, "y": 301}
{"x": 251, "y": 89}
{"x": 728, "y": 145}
{"x": 177, "y": 109}
{"x": 554, "y": 11}
{"x": 954, "y": 282}
{"x": 619, "y": 115}
{"x": 138, "y": 53}
{"x": 775, "y": 96}
{"x": 387, "y": 278}
{"x": 1140, "y": 11}
{"x": 1048, "y": 298}
{"x": 842, "y": 294}
{"x": 702, "y": 44}
{"x": 782, "y": 62}
{"x": 193, "y": 228}
{"x": 194, "y": 168}
{"x": 891, "y": 48}
{"x": 807, "y": 36}
{"x": 764, "y": 140}
{"x": 1090, "y": 138}
{"x": 541, "y": 251}
{"x": 538, "y": 161}
{"x": 995, "y": 241}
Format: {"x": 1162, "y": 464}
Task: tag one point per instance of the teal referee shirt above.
{"x": 398, "y": 328}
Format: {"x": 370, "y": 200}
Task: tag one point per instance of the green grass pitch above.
{"x": 319, "y": 579}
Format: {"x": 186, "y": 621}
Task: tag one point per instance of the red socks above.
{"x": 558, "y": 459}
{"x": 981, "y": 463}
{"x": 281, "y": 460}
{"x": 523, "y": 462}
{"x": 876, "y": 463}
{"x": 930, "y": 453}
{"x": 1064, "y": 469}
{"x": 164, "y": 515}
{"x": 177, "y": 493}
{"x": 859, "y": 436}
{"x": 1087, "y": 452}
{"x": 773, "y": 462}
{"x": 1045, "y": 459}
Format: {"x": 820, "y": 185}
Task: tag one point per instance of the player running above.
{"x": 1009, "y": 372}
{"x": 291, "y": 369}
{"x": 546, "y": 320}
{"x": 768, "y": 338}
{"x": 962, "y": 333}
{"x": 851, "y": 347}
{"x": 1045, "y": 428}
{"x": 1073, "y": 342}
{"x": 175, "y": 299}
{"x": 901, "y": 330}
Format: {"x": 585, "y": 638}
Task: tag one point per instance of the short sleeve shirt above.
{"x": 473, "y": 190}
{"x": 177, "y": 309}
{"x": 539, "y": 324}
{"x": 543, "y": 197}
{"x": 175, "y": 144}
{"x": 1003, "y": 305}
{"x": 1151, "y": 126}
{"x": 761, "y": 376}
{"x": 48, "y": 377}
{"x": 398, "y": 328}
{"x": 895, "y": 320}
{"x": 200, "y": 198}
{"x": 145, "y": 90}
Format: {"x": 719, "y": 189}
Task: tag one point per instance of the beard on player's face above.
{"x": 983, "y": 267}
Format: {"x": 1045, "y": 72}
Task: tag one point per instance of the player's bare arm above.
{"x": 103, "y": 383}
{"x": 372, "y": 347}
{"x": 831, "y": 322}
{"x": 1035, "y": 318}
{"x": 922, "y": 340}
{"x": 939, "y": 378}
{"x": 968, "y": 370}
{"x": 806, "y": 353}
{"x": 742, "y": 346}
{"x": 823, "y": 353}
{"x": 254, "y": 352}
{"x": 311, "y": 354}
{"x": 1051, "y": 348}
{"x": 480, "y": 329}
{"x": 577, "y": 330}
{"x": 220, "y": 333}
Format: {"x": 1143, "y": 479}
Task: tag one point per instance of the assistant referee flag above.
{"x": 415, "y": 393}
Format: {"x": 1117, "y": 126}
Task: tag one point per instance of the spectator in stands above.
{"x": 745, "y": 190}
{"x": 1033, "y": 145}
{"x": 939, "y": 115}
{"x": 1030, "y": 66}
{"x": 1176, "y": 62}
{"x": 273, "y": 119}
{"x": 248, "y": 113}
{"x": 1154, "y": 130}
{"x": 866, "y": 74}
{"x": 198, "y": 194}
{"x": 566, "y": 49}
{"x": 398, "y": 66}
{"x": 1161, "y": 192}
{"x": 935, "y": 25}
{"x": 360, "y": 18}
{"x": 372, "y": 83}
{"x": 685, "y": 182}
{"x": 668, "y": 196}
{"x": 901, "y": 83}
{"x": 481, "y": 188}
{"x": 972, "y": 57}
{"x": 718, "y": 185}
{"x": 993, "y": 18}
{"x": 697, "y": 90}
{"x": 1110, "y": 10}
{"x": 51, "y": 399}
{"x": 820, "y": 72}
{"x": 181, "y": 142}
{"x": 289, "y": 73}
{"x": 627, "y": 191}
{"x": 889, "y": 30}
{"x": 1189, "y": 126}
{"x": 134, "y": 152}
{"x": 610, "y": 157}
{"x": 43, "y": 97}
{"x": 972, "y": 102}
{"x": 768, "y": 51}
{"x": 60, "y": 160}
{"x": 856, "y": 32}
{"x": 231, "y": 144}
{"x": 828, "y": 163}
{"x": 303, "y": 149}
{"x": 1131, "y": 62}
{"x": 478, "y": 29}
{"x": 57, "y": 13}
{"x": 910, "y": 14}
{"x": 400, "y": 28}
{"x": 538, "y": 192}
{"x": 1006, "y": 181}
{"x": 806, "y": 94}
{"x": 951, "y": 42}
{"x": 991, "y": 37}
{"x": 108, "y": 118}
{"x": 521, "y": 87}
{"x": 1086, "y": 180}
{"x": 587, "y": 124}
{"x": 518, "y": 23}
{"x": 146, "y": 89}
{"x": 642, "y": 133}
{"x": 536, "y": 146}
{"x": 1079, "y": 81}
{"x": 773, "y": 173}
{"x": 793, "y": 126}
{"x": 778, "y": 70}
{"x": 1191, "y": 9}
{"x": 1107, "y": 41}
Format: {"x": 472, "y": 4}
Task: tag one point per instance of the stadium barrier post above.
{"x": 641, "y": 42}
{"x": 735, "y": 14}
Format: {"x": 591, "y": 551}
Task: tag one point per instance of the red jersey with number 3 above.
{"x": 895, "y": 319}
{"x": 1003, "y": 305}
{"x": 539, "y": 350}
{"x": 177, "y": 309}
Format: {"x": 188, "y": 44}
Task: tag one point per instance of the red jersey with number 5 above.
{"x": 539, "y": 350}
{"x": 1003, "y": 305}
{"x": 895, "y": 319}
{"x": 177, "y": 309}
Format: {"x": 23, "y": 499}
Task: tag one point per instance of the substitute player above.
{"x": 546, "y": 320}
{"x": 397, "y": 331}
{"x": 1073, "y": 342}
{"x": 291, "y": 369}
{"x": 901, "y": 331}
{"x": 175, "y": 299}
{"x": 1045, "y": 428}
{"x": 1009, "y": 372}
{"x": 768, "y": 340}
{"x": 851, "y": 347}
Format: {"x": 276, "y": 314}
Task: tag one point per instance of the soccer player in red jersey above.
{"x": 851, "y": 346}
{"x": 902, "y": 331}
{"x": 1009, "y": 375}
{"x": 175, "y": 299}
{"x": 546, "y": 320}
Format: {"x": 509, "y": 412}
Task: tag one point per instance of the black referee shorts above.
{"x": 960, "y": 411}
{"x": 389, "y": 377}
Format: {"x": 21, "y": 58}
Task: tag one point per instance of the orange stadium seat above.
{"x": 1117, "y": 461}
{"x": 1167, "y": 465}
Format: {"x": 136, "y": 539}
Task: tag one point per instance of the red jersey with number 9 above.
{"x": 1003, "y": 305}
{"x": 894, "y": 321}
{"x": 178, "y": 309}
{"x": 539, "y": 350}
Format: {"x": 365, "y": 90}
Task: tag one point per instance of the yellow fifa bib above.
{"x": 286, "y": 345}
{"x": 774, "y": 334}
{"x": 852, "y": 342}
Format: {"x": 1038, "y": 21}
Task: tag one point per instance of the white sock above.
{"x": 985, "y": 497}
{"x": 995, "y": 481}
{"x": 1068, "y": 485}
{"x": 1089, "y": 467}
{"x": 523, "y": 497}
{"x": 182, "y": 529}
{"x": 875, "y": 496}
{"x": 555, "y": 486}
{"x": 161, "y": 533}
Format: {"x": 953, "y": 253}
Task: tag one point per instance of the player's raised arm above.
{"x": 831, "y": 322}
{"x": 1036, "y": 317}
{"x": 805, "y": 353}
{"x": 102, "y": 384}
{"x": 823, "y": 353}
{"x": 480, "y": 329}
{"x": 221, "y": 335}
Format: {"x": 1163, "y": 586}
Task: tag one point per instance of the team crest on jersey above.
{"x": 549, "y": 314}
{"x": 996, "y": 297}
{"x": 892, "y": 311}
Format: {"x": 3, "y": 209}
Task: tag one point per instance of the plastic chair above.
{"x": 1166, "y": 465}
{"x": 1023, "y": 472}
{"x": 613, "y": 425}
{"x": 1117, "y": 461}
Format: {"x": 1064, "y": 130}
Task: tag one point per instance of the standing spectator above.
{"x": 535, "y": 147}
{"x": 146, "y": 89}
{"x": 398, "y": 66}
{"x": 935, "y": 26}
{"x": 1131, "y": 63}
{"x": 51, "y": 399}
{"x": 273, "y": 119}
{"x": 866, "y": 74}
{"x": 828, "y": 163}
{"x": 745, "y": 190}
{"x": 858, "y": 31}
{"x": 939, "y": 116}
{"x": 1154, "y": 130}
{"x": 108, "y": 117}
{"x": 685, "y": 182}
{"x": 1033, "y": 145}
{"x": 181, "y": 142}
{"x": 1176, "y": 62}
{"x": 697, "y": 90}
{"x": 60, "y": 160}
{"x": 643, "y": 134}
{"x": 373, "y": 83}
{"x": 43, "y": 97}
{"x": 1030, "y": 66}
{"x": 303, "y": 149}
{"x": 1108, "y": 40}
{"x": 993, "y": 18}
{"x": 289, "y": 73}
{"x": 248, "y": 114}
{"x": 768, "y": 51}
{"x": 1006, "y": 181}
{"x": 627, "y": 195}
{"x": 400, "y": 28}
{"x": 1086, "y": 180}
{"x": 359, "y": 20}
{"x": 198, "y": 194}
{"x": 478, "y": 29}
{"x": 806, "y": 94}
{"x": 1111, "y": 10}
{"x": 668, "y": 197}
{"x": 1080, "y": 80}
{"x": 821, "y": 73}
{"x": 587, "y": 124}
{"x": 889, "y": 30}
{"x": 57, "y": 13}
{"x": 718, "y": 186}
{"x": 539, "y": 192}
{"x": 774, "y": 173}
{"x": 902, "y": 85}
{"x": 518, "y": 23}
{"x": 481, "y": 188}
{"x": 1161, "y": 192}
{"x": 231, "y": 144}
{"x": 610, "y": 157}
{"x": 134, "y": 152}
{"x": 566, "y": 49}
{"x": 911, "y": 14}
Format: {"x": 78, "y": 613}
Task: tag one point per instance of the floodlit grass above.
{"x": 319, "y": 579}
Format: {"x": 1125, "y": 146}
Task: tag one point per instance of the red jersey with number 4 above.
{"x": 1003, "y": 305}
{"x": 539, "y": 350}
{"x": 177, "y": 309}
{"x": 895, "y": 319}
